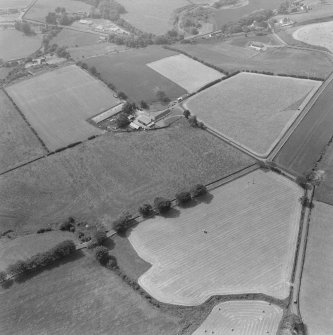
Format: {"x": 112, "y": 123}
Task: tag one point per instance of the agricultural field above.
{"x": 185, "y": 72}
{"x": 240, "y": 240}
{"x": 14, "y": 3}
{"x": 277, "y": 60}
{"x": 80, "y": 297}
{"x": 72, "y": 38}
{"x": 257, "y": 117}
{"x": 18, "y": 144}
{"x": 23, "y": 45}
{"x": 57, "y": 104}
{"x": 242, "y": 41}
{"x": 316, "y": 298}
{"x": 128, "y": 72}
{"x": 316, "y": 34}
{"x": 304, "y": 146}
{"x": 148, "y": 17}
{"x": 41, "y": 8}
{"x": 21, "y": 248}
{"x": 98, "y": 179}
{"x": 242, "y": 318}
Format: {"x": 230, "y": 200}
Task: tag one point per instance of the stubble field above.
{"x": 242, "y": 318}
{"x": 252, "y": 110}
{"x": 99, "y": 179}
{"x": 240, "y": 241}
{"x": 58, "y": 103}
{"x": 18, "y": 144}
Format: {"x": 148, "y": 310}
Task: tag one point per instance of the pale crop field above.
{"x": 185, "y": 72}
{"x": 316, "y": 34}
{"x": 241, "y": 241}
{"x": 242, "y": 318}
{"x": 253, "y": 110}
{"x": 58, "y": 103}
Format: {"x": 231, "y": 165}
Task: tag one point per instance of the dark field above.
{"x": 72, "y": 38}
{"x": 129, "y": 73}
{"x": 99, "y": 179}
{"x": 277, "y": 60}
{"x": 80, "y": 297}
{"x": 304, "y": 146}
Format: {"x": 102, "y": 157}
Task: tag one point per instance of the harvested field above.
{"x": 316, "y": 34}
{"x": 316, "y": 298}
{"x": 304, "y": 146}
{"x": 80, "y": 297}
{"x": 277, "y": 60}
{"x": 57, "y": 104}
{"x": 72, "y": 38}
{"x": 258, "y": 117}
{"x": 149, "y": 17}
{"x": 129, "y": 73}
{"x": 24, "y": 247}
{"x": 41, "y": 8}
{"x": 185, "y": 72}
{"x": 240, "y": 240}
{"x": 242, "y": 318}
{"x": 18, "y": 144}
{"x": 23, "y": 46}
{"x": 99, "y": 179}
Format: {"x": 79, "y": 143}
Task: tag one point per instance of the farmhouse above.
{"x": 286, "y": 21}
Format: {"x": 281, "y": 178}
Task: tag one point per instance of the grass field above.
{"x": 22, "y": 47}
{"x": 304, "y": 146}
{"x": 252, "y": 110}
{"x": 14, "y": 3}
{"x": 22, "y": 248}
{"x": 18, "y": 144}
{"x": 316, "y": 34}
{"x": 243, "y": 41}
{"x": 72, "y": 38}
{"x": 80, "y": 297}
{"x": 277, "y": 60}
{"x": 57, "y": 104}
{"x": 149, "y": 17}
{"x": 115, "y": 172}
{"x": 185, "y": 72}
{"x": 41, "y": 8}
{"x": 251, "y": 227}
{"x": 129, "y": 73}
{"x": 242, "y": 318}
{"x": 316, "y": 299}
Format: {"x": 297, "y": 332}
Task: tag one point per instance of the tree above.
{"x": 51, "y": 18}
{"x": 123, "y": 223}
{"x": 102, "y": 254}
{"x": 146, "y": 210}
{"x": 100, "y": 237}
{"x": 144, "y": 105}
{"x": 198, "y": 190}
{"x": 3, "y": 276}
{"x": 187, "y": 113}
{"x": 183, "y": 198}
{"x": 122, "y": 96}
{"x": 161, "y": 96}
{"x": 93, "y": 70}
{"x": 122, "y": 120}
{"x": 111, "y": 263}
{"x": 193, "y": 121}
{"x": 162, "y": 205}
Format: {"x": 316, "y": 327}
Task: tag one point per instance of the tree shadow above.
{"x": 172, "y": 213}
{"x": 7, "y": 284}
{"x": 71, "y": 258}
{"x": 207, "y": 198}
{"x": 109, "y": 243}
{"x": 189, "y": 204}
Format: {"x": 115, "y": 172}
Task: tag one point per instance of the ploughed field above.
{"x": 58, "y": 103}
{"x": 80, "y": 297}
{"x": 240, "y": 240}
{"x": 18, "y": 143}
{"x": 128, "y": 72}
{"x": 185, "y": 72}
{"x": 316, "y": 297}
{"x": 252, "y": 110}
{"x": 242, "y": 318}
{"x": 99, "y": 179}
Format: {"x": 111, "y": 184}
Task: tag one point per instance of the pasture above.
{"x": 316, "y": 296}
{"x": 129, "y": 73}
{"x": 41, "y": 8}
{"x": 277, "y": 60}
{"x": 71, "y": 38}
{"x": 80, "y": 297}
{"x": 18, "y": 144}
{"x": 185, "y": 72}
{"x": 316, "y": 34}
{"x": 240, "y": 240}
{"x": 22, "y": 47}
{"x": 22, "y": 248}
{"x": 149, "y": 17}
{"x": 242, "y": 318}
{"x": 57, "y": 104}
{"x": 99, "y": 179}
{"x": 252, "y": 110}
{"x": 304, "y": 146}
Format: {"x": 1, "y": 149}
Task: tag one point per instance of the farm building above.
{"x": 257, "y": 46}
{"x": 145, "y": 120}
{"x": 286, "y": 21}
